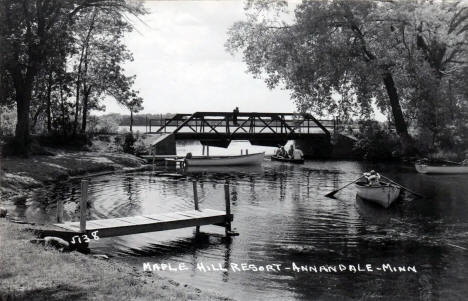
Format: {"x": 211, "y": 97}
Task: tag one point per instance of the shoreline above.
{"x": 36, "y": 272}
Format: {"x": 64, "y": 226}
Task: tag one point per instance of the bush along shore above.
{"x": 32, "y": 271}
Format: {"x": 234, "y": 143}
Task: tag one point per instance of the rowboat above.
{"x": 289, "y": 160}
{"x": 250, "y": 159}
{"x": 441, "y": 169}
{"x": 383, "y": 194}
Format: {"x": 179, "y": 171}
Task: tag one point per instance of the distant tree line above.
{"x": 60, "y": 59}
{"x": 109, "y": 123}
{"x": 341, "y": 57}
{"x": 142, "y": 119}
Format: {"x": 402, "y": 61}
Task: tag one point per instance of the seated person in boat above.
{"x": 278, "y": 151}
{"x": 298, "y": 154}
{"x": 372, "y": 177}
{"x": 282, "y": 152}
{"x": 465, "y": 162}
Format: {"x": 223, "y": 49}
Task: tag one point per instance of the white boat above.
{"x": 382, "y": 194}
{"x": 250, "y": 159}
{"x": 441, "y": 169}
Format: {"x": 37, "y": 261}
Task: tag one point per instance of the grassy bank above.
{"x": 19, "y": 177}
{"x": 34, "y": 272}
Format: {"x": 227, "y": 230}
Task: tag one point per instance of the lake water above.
{"x": 283, "y": 217}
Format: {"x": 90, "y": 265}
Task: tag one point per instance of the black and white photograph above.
{"x": 234, "y": 150}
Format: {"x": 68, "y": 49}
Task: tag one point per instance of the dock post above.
{"x": 195, "y": 195}
{"x": 246, "y": 151}
{"x": 195, "y": 200}
{"x": 228, "y": 209}
{"x": 83, "y": 205}
{"x": 60, "y": 211}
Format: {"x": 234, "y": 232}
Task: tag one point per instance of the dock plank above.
{"x": 150, "y": 223}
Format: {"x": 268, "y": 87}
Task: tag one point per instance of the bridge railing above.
{"x": 168, "y": 126}
{"x": 226, "y": 122}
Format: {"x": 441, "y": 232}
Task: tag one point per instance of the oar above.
{"x": 331, "y": 194}
{"x": 401, "y": 186}
{"x": 447, "y": 161}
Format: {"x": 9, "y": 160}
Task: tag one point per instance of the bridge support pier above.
{"x": 164, "y": 145}
{"x": 315, "y": 147}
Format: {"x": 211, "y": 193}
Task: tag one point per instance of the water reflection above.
{"x": 283, "y": 217}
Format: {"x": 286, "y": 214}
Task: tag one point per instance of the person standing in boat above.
{"x": 291, "y": 151}
{"x": 372, "y": 177}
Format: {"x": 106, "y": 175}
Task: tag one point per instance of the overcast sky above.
{"x": 182, "y": 66}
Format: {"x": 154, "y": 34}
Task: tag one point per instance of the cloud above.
{"x": 182, "y": 66}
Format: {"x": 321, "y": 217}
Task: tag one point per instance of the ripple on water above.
{"x": 282, "y": 216}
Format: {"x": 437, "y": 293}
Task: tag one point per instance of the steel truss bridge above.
{"x": 220, "y": 128}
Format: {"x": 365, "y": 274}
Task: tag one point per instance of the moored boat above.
{"x": 289, "y": 160}
{"x": 250, "y": 159}
{"x": 383, "y": 194}
{"x": 441, "y": 169}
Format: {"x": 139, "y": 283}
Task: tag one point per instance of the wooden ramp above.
{"x": 151, "y": 223}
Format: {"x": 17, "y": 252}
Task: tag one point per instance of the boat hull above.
{"x": 251, "y": 159}
{"x": 281, "y": 159}
{"x": 384, "y": 195}
{"x": 430, "y": 169}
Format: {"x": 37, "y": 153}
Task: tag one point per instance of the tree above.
{"x": 29, "y": 33}
{"x": 338, "y": 56}
{"x": 135, "y": 105}
{"x": 98, "y": 69}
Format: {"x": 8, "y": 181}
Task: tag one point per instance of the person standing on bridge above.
{"x": 235, "y": 112}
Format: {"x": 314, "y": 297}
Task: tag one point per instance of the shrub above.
{"x": 140, "y": 147}
{"x": 128, "y": 144}
{"x": 376, "y": 143}
{"x": 7, "y": 121}
{"x": 107, "y": 124}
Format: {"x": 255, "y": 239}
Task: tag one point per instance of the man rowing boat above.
{"x": 293, "y": 153}
{"x": 372, "y": 177}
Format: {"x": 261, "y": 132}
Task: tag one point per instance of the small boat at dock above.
{"x": 441, "y": 169}
{"x": 383, "y": 194}
{"x": 288, "y": 160}
{"x": 250, "y": 159}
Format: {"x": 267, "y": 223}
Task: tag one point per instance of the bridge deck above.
{"x": 150, "y": 223}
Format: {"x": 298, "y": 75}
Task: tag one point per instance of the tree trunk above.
{"x": 77, "y": 106}
{"x": 36, "y": 117}
{"x": 62, "y": 102}
{"x": 400, "y": 123}
{"x": 23, "y": 90}
{"x": 85, "y": 110}
{"x": 23, "y": 101}
{"x": 131, "y": 121}
{"x": 48, "y": 108}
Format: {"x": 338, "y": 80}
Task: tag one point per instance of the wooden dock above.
{"x": 150, "y": 223}
{"x": 140, "y": 224}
